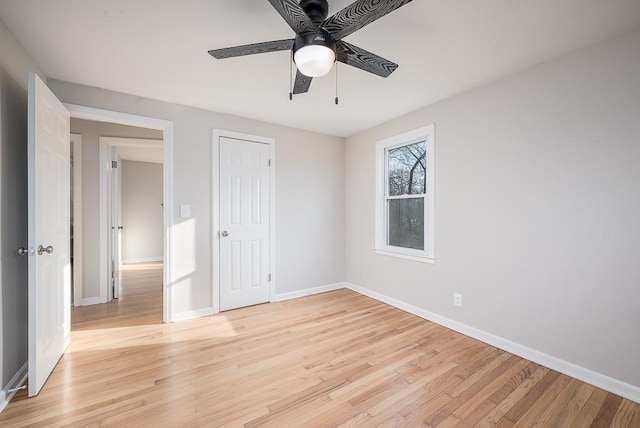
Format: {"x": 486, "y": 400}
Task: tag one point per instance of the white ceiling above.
{"x": 158, "y": 49}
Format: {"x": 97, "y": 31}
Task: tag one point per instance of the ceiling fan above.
{"x": 318, "y": 42}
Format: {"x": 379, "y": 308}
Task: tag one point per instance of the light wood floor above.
{"x": 334, "y": 359}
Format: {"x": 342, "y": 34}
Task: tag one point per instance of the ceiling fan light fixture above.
{"x": 314, "y": 60}
{"x": 314, "y": 53}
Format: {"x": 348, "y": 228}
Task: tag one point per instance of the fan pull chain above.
{"x": 291, "y": 77}
{"x": 336, "y": 83}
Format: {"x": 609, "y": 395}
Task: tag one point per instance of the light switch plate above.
{"x": 185, "y": 211}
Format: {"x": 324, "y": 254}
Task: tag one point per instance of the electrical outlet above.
{"x": 457, "y": 300}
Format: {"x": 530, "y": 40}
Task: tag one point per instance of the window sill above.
{"x": 415, "y": 258}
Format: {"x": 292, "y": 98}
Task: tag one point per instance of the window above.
{"x": 404, "y": 196}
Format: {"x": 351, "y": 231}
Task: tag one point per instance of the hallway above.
{"x": 140, "y": 301}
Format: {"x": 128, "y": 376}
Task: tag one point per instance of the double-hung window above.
{"x": 405, "y": 186}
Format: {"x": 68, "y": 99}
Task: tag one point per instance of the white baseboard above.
{"x": 92, "y": 301}
{"x": 16, "y": 381}
{"x": 309, "y": 291}
{"x": 599, "y": 380}
{"x": 189, "y": 315}
{"x": 143, "y": 260}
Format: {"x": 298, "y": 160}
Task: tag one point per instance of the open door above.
{"x": 49, "y": 232}
{"x": 115, "y": 202}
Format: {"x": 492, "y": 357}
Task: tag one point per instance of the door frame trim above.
{"x": 106, "y": 156}
{"x": 215, "y": 210}
{"x": 166, "y": 126}
{"x": 78, "y": 286}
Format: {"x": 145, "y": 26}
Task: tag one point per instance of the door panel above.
{"x": 244, "y": 223}
{"x": 115, "y": 219}
{"x": 49, "y": 232}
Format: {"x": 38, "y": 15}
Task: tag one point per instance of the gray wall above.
{"x": 537, "y": 207}
{"x": 91, "y": 132}
{"x": 14, "y": 67}
{"x": 309, "y": 193}
{"x": 143, "y": 233}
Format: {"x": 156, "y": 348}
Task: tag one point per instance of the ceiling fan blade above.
{"x": 359, "y": 14}
{"x": 255, "y": 48}
{"x": 302, "y": 83}
{"x": 295, "y": 16}
{"x": 364, "y": 60}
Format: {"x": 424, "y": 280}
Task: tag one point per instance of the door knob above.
{"x": 22, "y": 251}
{"x": 224, "y": 233}
{"x": 42, "y": 250}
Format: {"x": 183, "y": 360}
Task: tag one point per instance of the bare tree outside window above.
{"x": 407, "y": 168}
{"x": 406, "y": 177}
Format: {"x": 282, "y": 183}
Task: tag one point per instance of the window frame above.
{"x": 426, "y": 134}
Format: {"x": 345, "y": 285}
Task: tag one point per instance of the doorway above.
{"x": 166, "y": 129}
{"x": 131, "y": 207}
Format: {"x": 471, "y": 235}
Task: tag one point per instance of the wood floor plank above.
{"x": 575, "y": 405}
{"x": 590, "y": 409}
{"x": 550, "y": 415}
{"x": 332, "y": 359}
{"x": 626, "y": 414}
{"x": 481, "y": 391}
{"x": 607, "y": 411}
{"x": 521, "y": 407}
{"x": 517, "y": 389}
{"x": 543, "y": 403}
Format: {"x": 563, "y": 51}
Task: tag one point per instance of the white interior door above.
{"x": 115, "y": 195}
{"x": 49, "y": 232}
{"x": 244, "y": 223}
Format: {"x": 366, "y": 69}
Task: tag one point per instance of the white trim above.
{"x": 189, "y": 315}
{"x": 309, "y": 291}
{"x": 424, "y": 133}
{"x": 116, "y": 212}
{"x": 416, "y": 258}
{"x": 142, "y": 260}
{"x": 78, "y": 285}
{"x": 16, "y": 381}
{"x": 3, "y": 398}
{"x": 591, "y": 377}
{"x": 103, "y": 216}
{"x": 139, "y": 143}
{"x": 215, "y": 209}
{"x": 215, "y": 221}
{"x": 101, "y": 115}
{"x": 91, "y": 301}
{"x": 272, "y": 217}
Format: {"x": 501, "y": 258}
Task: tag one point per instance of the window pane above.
{"x": 407, "y": 167}
{"x": 406, "y": 223}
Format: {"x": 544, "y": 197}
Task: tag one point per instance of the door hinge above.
{"x": 269, "y": 278}
{"x": 269, "y": 162}
{"x": 114, "y": 164}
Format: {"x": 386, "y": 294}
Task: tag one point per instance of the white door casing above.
{"x": 101, "y": 115}
{"x": 76, "y": 140}
{"x": 49, "y": 232}
{"x": 244, "y": 194}
{"x": 115, "y": 223}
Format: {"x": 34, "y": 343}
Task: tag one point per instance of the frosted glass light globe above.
{"x": 314, "y": 60}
